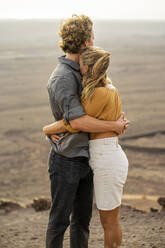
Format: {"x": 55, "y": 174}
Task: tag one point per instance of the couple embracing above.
{"x": 85, "y": 150}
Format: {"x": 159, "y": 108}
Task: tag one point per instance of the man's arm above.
{"x": 84, "y": 123}
{"x": 90, "y": 124}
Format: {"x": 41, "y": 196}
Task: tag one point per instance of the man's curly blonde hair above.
{"x": 74, "y": 32}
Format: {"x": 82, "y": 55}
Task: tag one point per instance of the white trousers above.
{"x": 110, "y": 167}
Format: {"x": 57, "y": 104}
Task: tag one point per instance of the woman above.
{"x": 101, "y": 100}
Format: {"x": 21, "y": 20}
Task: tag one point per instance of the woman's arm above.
{"x": 88, "y": 123}
{"x": 58, "y": 127}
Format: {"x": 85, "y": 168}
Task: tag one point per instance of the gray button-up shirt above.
{"x": 64, "y": 88}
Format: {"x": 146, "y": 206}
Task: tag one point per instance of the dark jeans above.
{"x": 72, "y": 193}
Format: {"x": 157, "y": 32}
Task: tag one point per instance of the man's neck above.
{"x": 73, "y": 57}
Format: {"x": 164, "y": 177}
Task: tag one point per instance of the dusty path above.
{"x": 25, "y": 228}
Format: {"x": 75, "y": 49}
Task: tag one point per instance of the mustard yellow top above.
{"x": 105, "y": 104}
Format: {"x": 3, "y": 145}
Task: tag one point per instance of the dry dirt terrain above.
{"x": 28, "y": 54}
{"x": 26, "y": 228}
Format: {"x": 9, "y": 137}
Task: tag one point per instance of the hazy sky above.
{"x": 102, "y": 9}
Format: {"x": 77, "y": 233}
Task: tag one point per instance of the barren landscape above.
{"x": 28, "y": 55}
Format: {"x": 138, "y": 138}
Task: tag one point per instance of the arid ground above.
{"x": 28, "y": 54}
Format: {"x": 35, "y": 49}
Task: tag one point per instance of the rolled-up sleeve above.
{"x": 67, "y": 98}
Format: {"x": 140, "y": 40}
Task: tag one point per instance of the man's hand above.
{"x": 127, "y": 122}
{"x": 122, "y": 124}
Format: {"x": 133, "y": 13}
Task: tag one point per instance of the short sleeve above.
{"x": 67, "y": 98}
{"x": 69, "y": 128}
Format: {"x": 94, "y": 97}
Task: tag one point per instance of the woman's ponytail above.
{"x": 98, "y": 62}
{"x": 101, "y": 66}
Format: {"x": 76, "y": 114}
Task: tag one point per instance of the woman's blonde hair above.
{"x": 98, "y": 61}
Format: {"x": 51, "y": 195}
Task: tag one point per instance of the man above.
{"x": 70, "y": 175}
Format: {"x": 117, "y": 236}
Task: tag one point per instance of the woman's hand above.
{"x": 55, "y": 138}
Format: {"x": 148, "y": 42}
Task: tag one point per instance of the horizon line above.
{"x": 97, "y": 19}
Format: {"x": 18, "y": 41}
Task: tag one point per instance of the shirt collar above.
{"x": 69, "y": 62}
